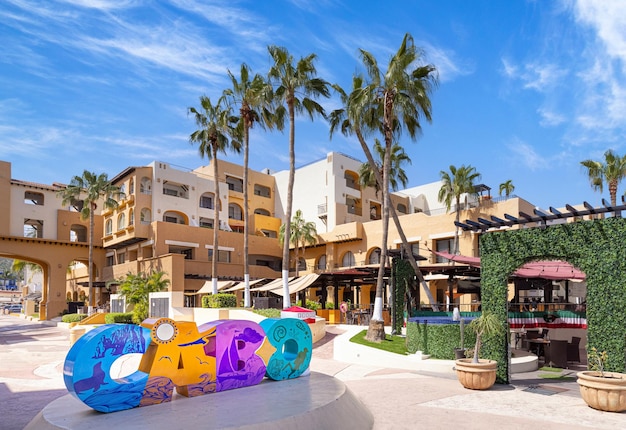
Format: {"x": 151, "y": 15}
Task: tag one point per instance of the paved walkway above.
{"x": 399, "y": 393}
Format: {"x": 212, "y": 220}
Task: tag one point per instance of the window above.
{"x": 234, "y": 212}
{"x": 173, "y": 217}
{"x": 401, "y": 208}
{"x": 348, "y": 259}
{"x": 206, "y": 222}
{"x": 121, "y": 258}
{"x": 33, "y": 228}
{"x": 269, "y": 233}
{"x": 109, "y": 261}
{"x": 131, "y": 188}
{"x": 444, "y": 245}
{"x": 187, "y": 252}
{"x": 78, "y": 233}
{"x": 301, "y": 264}
{"x": 146, "y": 216}
{"x": 234, "y": 184}
{"x": 374, "y": 257}
{"x": 206, "y": 200}
{"x": 352, "y": 180}
{"x": 108, "y": 227}
{"x": 121, "y": 221}
{"x": 354, "y": 206}
{"x": 33, "y": 198}
{"x": 260, "y": 211}
{"x": 146, "y": 186}
{"x": 131, "y": 217}
{"x": 123, "y": 189}
{"x": 222, "y": 256}
{"x": 175, "y": 190}
{"x": 262, "y": 190}
{"x": 321, "y": 263}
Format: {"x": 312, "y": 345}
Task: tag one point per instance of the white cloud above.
{"x": 550, "y": 117}
{"x": 526, "y": 154}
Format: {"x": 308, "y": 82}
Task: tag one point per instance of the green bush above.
{"x": 330, "y": 305}
{"x": 219, "y": 300}
{"x": 268, "y": 313}
{"x": 310, "y": 304}
{"x": 70, "y": 318}
{"x": 119, "y": 317}
{"x": 437, "y": 340}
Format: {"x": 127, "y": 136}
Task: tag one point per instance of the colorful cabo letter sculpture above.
{"x": 196, "y": 360}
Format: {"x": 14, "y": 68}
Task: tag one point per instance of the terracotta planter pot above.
{"x": 606, "y": 393}
{"x": 476, "y": 376}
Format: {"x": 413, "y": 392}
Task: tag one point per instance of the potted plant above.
{"x": 602, "y": 390}
{"x": 460, "y": 352}
{"x": 475, "y": 373}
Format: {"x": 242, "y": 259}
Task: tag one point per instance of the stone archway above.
{"x": 596, "y": 247}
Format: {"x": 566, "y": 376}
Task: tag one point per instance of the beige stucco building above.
{"x": 165, "y": 222}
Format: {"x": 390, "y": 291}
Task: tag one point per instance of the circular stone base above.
{"x": 316, "y": 401}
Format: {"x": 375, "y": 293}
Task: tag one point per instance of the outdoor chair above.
{"x": 573, "y": 350}
{"x": 530, "y": 334}
{"x": 556, "y": 354}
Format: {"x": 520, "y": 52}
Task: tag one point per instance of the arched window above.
{"x": 146, "y": 216}
{"x": 131, "y": 188}
{"x": 121, "y": 221}
{"x": 146, "y": 186}
{"x": 108, "y": 227}
{"x": 131, "y": 217}
{"x": 321, "y": 263}
{"x": 260, "y": 211}
{"x": 234, "y": 212}
{"x": 401, "y": 208}
{"x": 174, "y": 217}
{"x": 348, "y": 259}
{"x": 374, "y": 257}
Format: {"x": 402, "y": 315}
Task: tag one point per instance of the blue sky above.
{"x": 527, "y": 89}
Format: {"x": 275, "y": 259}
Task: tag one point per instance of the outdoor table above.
{"x": 541, "y": 344}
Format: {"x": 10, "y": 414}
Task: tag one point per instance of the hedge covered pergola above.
{"x": 597, "y": 247}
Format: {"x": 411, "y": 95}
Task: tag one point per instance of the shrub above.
{"x": 330, "y": 305}
{"x": 70, "y": 318}
{"x": 119, "y": 317}
{"x": 310, "y": 304}
{"x": 268, "y": 313}
{"x": 219, "y": 300}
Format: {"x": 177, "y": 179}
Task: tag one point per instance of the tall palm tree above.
{"x": 216, "y": 126}
{"x": 507, "y": 188}
{"x": 302, "y": 233}
{"x": 348, "y": 120}
{"x": 397, "y": 175}
{"x": 390, "y": 103}
{"x": 251, "y": 95}
{"x": 457, "y": 182}
{"x": 296, "y": 89}
{"x": 85, "y": 192}
{"x": 612, "y": 171}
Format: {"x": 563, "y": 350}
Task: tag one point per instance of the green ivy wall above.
{"x": 597, "y": 247}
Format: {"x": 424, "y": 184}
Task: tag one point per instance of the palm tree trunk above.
{"x": 396, "y": 220}
{"x": 216, "y": 220}
{"x": 292, "y": 168}
{"x": 246, "y": 264}
{"x": 90, "y": 262}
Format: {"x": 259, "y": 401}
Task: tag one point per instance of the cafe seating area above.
{"x": 554, "y": 348}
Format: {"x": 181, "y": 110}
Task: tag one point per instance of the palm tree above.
{"x": 348, "y": 120}
{"x": 612, "y": 171}
{"x": 302, "y": 233}
{"x": 251, "y": 95}
{"x": 136, "y": 289}
{"x": 507, "y": 188}
{"x": 85, "y": 192}
{"x": 367, "y": 177}
{"x": 215, "y": 128}
{"x": 389, "y": 104}
{"x": 457, "y": 182}
{"x": 295, "y": 90}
